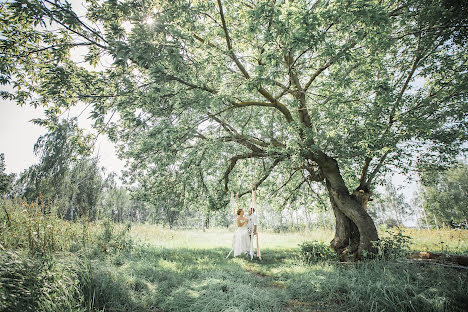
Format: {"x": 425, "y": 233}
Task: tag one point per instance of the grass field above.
{"x": 187, "y": 270}
{"x": 452, "y": 241}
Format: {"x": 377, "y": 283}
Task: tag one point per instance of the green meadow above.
{"x": 104, "y": 266}
{"x": 172, "y": 270}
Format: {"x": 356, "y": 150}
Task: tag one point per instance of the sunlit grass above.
{"x": 214, "y": 238}
{"x": 443, "y": 240}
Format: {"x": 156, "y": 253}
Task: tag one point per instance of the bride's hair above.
{"x": 239, "y": 211}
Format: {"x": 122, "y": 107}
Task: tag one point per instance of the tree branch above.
{"x": 244, "y": 72}
{"x": 232, "y": 163}
{"x": 300, "y": 94}
{"x": 281, "y": 107}
{"x": 377, "y": 168}
{"x": 73, "y": 14}
{"x": 265, "y": 176}
{"x": 189, "y": 84}
{"x": 365, "y": 168}
{"x": 328, "y": 64}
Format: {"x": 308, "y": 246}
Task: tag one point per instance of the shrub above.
{"x": 114, "y": 238}
{"x": 392, "y": 247}
{"x": 315, "y": 251}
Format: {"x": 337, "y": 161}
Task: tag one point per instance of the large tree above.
{"x": 233, "y": 94}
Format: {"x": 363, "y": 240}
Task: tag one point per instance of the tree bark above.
{"x": 353, "y": 223}
{"x": 346, "y": 240}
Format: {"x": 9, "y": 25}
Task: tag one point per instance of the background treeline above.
{"x": 68, "y": 182}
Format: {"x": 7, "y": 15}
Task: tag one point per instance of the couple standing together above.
{"x": 243, "y": 240}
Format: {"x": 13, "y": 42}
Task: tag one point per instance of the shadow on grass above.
{"x": 161, "y": 279}
{"x": 378, "y": 286}
{"x": 182, "y": 279}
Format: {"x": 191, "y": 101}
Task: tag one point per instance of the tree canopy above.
{"x": 230, "y": 95}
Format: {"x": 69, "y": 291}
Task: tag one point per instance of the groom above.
{"x": 252, "y": 228}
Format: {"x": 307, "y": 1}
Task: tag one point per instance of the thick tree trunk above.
{"x": 346, "y": 240}
{"x": 355, "y": 230}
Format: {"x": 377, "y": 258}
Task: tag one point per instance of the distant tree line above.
{"x": 444, "y": 197}
{"x": 71, "y": 184}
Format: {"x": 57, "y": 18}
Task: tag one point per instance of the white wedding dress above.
{"x": 241, "y": 240}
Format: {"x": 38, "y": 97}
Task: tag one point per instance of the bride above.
{"x": 241, "y": 240}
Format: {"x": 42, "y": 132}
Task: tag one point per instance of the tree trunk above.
{"x": 436, "y": 223}
{"x": 346, "y": 240}
{"x": 72, "y": 209}
{"x": 355, "y": 230}
{"x": 397, "y": 216}
{"x": 425, "y": 217}
{"x": 307, "y": 217}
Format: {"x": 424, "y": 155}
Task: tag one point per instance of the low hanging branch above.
{"x": 265, "y": 176}
{"x": 232, "y": 163}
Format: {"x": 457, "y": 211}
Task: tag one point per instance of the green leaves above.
{"x": 352, "y": 79}
{"x": 444, "y": 193}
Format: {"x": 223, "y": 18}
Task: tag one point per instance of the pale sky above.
{"x": 18, "y": 135}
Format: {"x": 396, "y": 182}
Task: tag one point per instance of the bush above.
{"x": 394, "y": 246}
{"x": 114, "y": 238}
{"x": 315, "y": 251}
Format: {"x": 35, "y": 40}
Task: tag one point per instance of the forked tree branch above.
{"x": 365, "y": 168}
{"x": 232, "y": 163}
{"x": 374, "y": 172}
{"x": 281, "y": 107}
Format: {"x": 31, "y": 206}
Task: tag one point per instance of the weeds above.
{"x": 114, "y": 238}
{"x": 314, "y": 251}
{"x": 96, "y": 267}
{"x": 394, "y": 245}
{"x": 37, "y": 284}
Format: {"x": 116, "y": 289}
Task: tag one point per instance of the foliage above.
{"x": 117, "y": 204}
{"x": 209, "y": 91}
{"x": 394, "y": 245}
{"x": 111, "y": 239}
{"x": 379, "y": 286}
{"x": 33, "y": 229}
{"x": 35, "y": 284}
{"x": 64, "y": 176}
{"x": 187, "y": 271}
{"x": 445, "y": 194}
{"x": 44, "y": 234}
{"x": 6, "y": 180}
{"x": 165, "y": 194}
{"x": 314, "y": 251}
